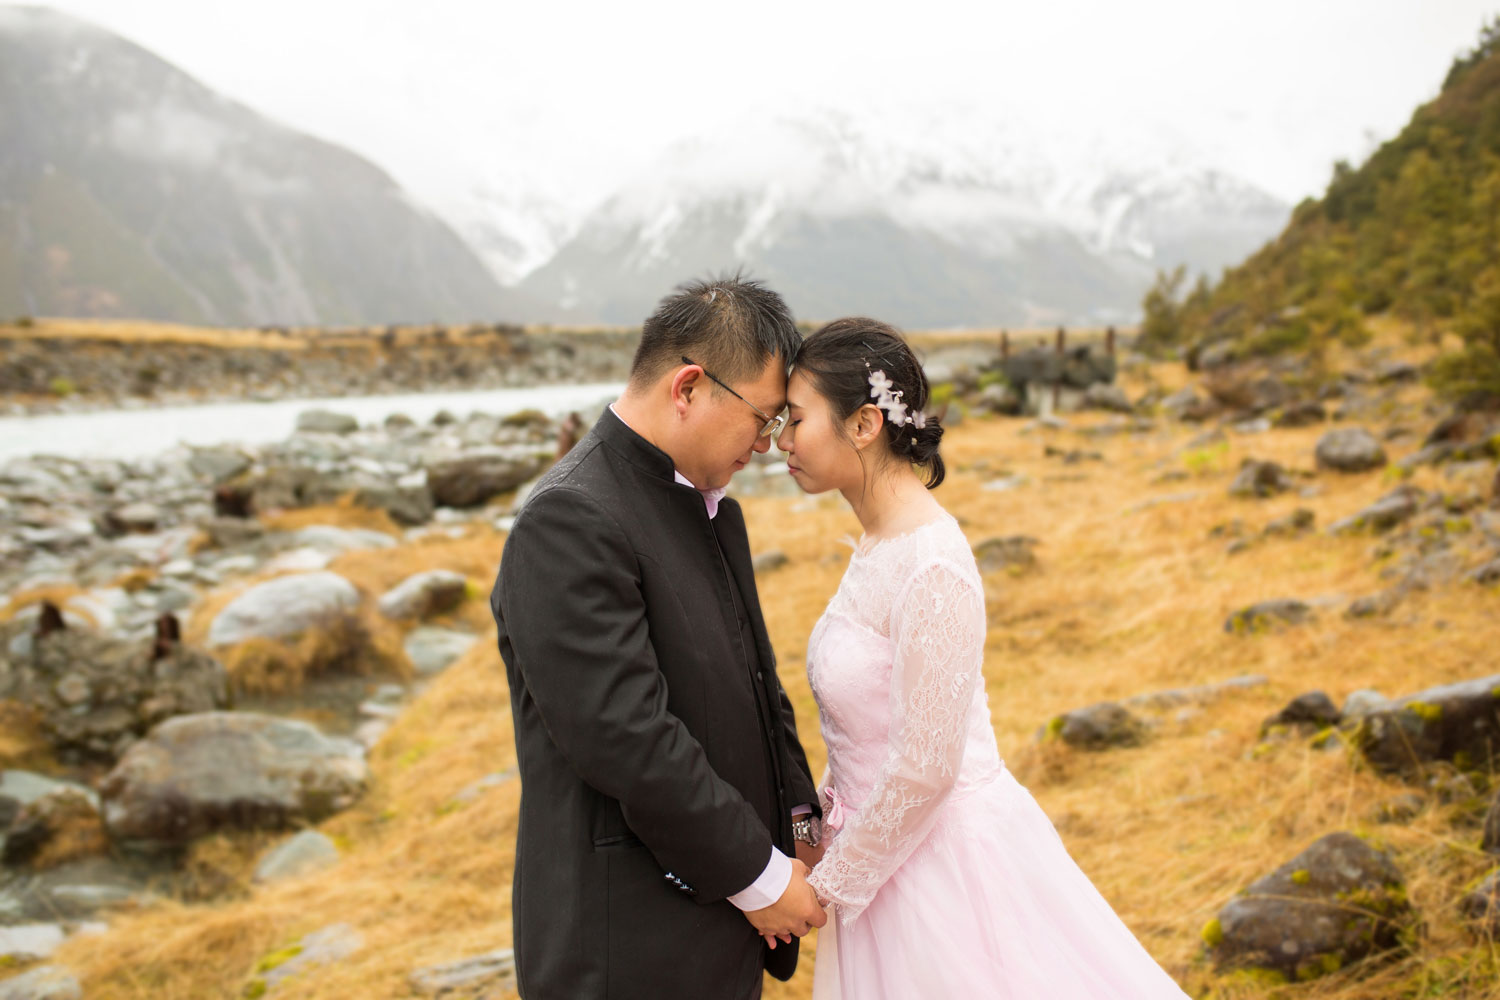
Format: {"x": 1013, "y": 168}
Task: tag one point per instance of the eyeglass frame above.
{"x": 772, "y": 426}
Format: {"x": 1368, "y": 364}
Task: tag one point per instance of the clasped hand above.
{"x": 794, "y": 914}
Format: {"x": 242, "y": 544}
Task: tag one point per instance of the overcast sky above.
{"x": 577, "y": 94}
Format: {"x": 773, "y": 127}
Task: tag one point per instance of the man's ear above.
{"x": 864, "y": 425}
{"x": 682, "y": 388}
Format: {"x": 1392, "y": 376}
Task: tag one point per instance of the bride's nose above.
{"x": 784, "y": 439}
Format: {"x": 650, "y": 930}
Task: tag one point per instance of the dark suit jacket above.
{"x": 658, "y": 753}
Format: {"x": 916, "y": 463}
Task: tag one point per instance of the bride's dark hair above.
{"x": 839, "y": 359}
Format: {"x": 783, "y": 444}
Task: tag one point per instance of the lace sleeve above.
{"x": 937, "y": 629}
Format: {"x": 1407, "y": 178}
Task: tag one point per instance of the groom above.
{"x": 659, "y": 757}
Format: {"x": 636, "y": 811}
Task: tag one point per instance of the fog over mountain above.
{"x": 933, "y": 222}
{"x": 129, "y": 189}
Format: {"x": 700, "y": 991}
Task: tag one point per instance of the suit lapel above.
{"x": 729, "y": 525}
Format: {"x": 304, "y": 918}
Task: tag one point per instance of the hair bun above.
{"x": 921, "y": 444}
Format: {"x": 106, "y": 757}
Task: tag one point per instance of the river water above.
{"x": 148, "y": 431}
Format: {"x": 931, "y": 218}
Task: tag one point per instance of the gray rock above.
{"x": 1297, "y": 522}
{"x": 1265, "y": 615}
{"x": 422, "y": 594}
{"x": 1384, "y": 514}
{"x": 1313, "y": 710}
{"x": 284, "y": 606}
{"x": 1375, "y": 605}
{"x": 97, "y": 694}
{"x": 133, "y": 518}
{"x": 336, "y": 541}
{"x": 1392, "y": 372}
{"x": 322, "y": 947}
{"x": 431, "y": 649}
{"x": 1459, "y": 723}
{"x": 232, "y": 532}
{"x": 407, "y": 503}
{"x": 19, "y": 789}
{"x": 1200, "y": 694}
{"x": 1012, "y": 553}
{"x": 1098, "y": 727}
{"x": 29, "y": 942}
{"x": 1487, "y": 574}
{"x": 769, "y": 561}
{"x": 67, "y": 810}
{"x": 1106, "y": 396}
{"x": 1303, "y": 414}
{"x": 218, "y": 464}
{"x": 1181, "y": 402}
{"x": 1481, "y": 907}
{"x": 1364, "y": 701}
{"x": 477, "y": 475}
{"x": 1336, "y": 903}
{"x": 1260, "y": 479}
{"x": 325, "y": 422}
{"x": 198, "y": 773}
{"x": 1000, "y": 398}
{"x": 46, "y": 982}
{"x": 301, "y": 854}
{"x": 483, "y": 977}
{"x": 1349, "y": 449}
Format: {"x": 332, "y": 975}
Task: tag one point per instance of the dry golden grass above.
{"x": 57, "y": 593}
{"x": 343, "y": 514}
{"x": 1130, "y": 596}
{"x": 22, "y": 744}
{"x": 144, "y": 331}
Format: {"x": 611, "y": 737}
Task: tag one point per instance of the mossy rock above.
{"x": 1453, "y": 723}
{"x": 1337, "y": 903}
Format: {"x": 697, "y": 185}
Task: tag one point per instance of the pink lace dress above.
{"x": 945, "y": 876}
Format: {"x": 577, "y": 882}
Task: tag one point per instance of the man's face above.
{"x": 724, "y": 431}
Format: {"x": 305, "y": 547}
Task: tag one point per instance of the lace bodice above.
{"x": 895, "y": 665}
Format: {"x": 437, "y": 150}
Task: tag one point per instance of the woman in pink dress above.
{"x": 945, "y": 876}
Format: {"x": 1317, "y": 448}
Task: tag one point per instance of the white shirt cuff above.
{"x": 766, "y": 889}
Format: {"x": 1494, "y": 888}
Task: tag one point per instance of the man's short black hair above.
{"x": 730, "y": 326}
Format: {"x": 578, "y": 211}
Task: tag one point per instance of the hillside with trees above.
{"x": 1412, "y": 234}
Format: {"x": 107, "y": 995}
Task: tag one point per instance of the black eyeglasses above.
{"x": 773, "y": 424}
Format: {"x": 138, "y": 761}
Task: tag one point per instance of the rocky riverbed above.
{"x": 1238, "y": 650}
{"x": 47, "y": 371}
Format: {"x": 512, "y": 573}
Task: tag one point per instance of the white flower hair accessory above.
{"x": 889, "y": 400}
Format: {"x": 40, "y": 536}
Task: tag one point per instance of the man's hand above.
{"x": 795, "y": 913}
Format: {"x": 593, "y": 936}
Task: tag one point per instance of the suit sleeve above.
{"x": 801, "y": 788}
{"x": 571, "y": 599}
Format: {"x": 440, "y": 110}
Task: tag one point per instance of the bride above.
{"x": 945, "y": 876}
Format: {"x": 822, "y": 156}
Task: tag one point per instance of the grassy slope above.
{"x": 1123, "y": 602}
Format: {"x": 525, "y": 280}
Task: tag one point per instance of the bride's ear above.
{"x": 864, "y": 425}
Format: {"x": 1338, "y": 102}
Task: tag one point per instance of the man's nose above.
{"x": 763, "y": 444}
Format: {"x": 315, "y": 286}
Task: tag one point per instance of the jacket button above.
{"x": 760, "y": 675}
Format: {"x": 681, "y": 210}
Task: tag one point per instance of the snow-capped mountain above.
{"x": 958, "y": 220}
{"x": 516, "y": 224}
{"x": 128, "y": 188}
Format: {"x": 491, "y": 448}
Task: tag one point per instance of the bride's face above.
{"x": 819, "y": 451}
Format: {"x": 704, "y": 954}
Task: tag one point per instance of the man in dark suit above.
{"x": 660, "y": 766}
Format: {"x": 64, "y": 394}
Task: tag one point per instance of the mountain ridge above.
{"x": 986, "y": 232}
{"x": 127, "y": 188}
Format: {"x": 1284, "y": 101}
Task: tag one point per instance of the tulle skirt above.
{"x": 989, "y": 906}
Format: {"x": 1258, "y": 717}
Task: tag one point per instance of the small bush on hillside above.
{"x": 1473, "y": 374}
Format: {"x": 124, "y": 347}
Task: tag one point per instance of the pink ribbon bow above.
{"x": 833, "y": 816}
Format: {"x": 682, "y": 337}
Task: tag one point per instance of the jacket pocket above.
{"x": 617, "y": 842}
